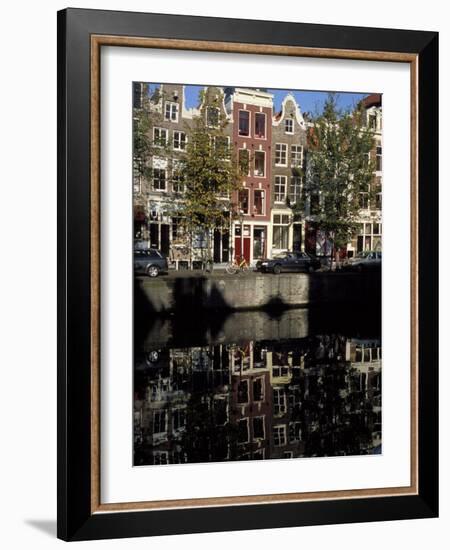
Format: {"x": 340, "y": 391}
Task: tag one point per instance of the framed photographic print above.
{"x": 247, "y": 274}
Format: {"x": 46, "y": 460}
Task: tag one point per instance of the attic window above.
{"x": 289, "y": 126}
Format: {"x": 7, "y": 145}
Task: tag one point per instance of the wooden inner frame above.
{"x": 97, "y": 41}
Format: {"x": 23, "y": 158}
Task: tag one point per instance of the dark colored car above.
{"x": 289, "y": 261}
{"x": 149, "y": 262}
{"x": 368, "y": 260}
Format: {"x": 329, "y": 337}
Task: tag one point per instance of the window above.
{"x": 364, "y": 200}
{"x": 160, "y": 457}
{"x": 160, "y": 137}
{"x": 137, "y": 171}
{"x": 179, "y": 141}
{"x": 178, "y": 185}
{"x": 280, "y": 231}
{"x": 260, "y": 125}
{"x": 242, "y": 391}
{"x": 243, "y": 431}
{"x": 244, "y": 123}
{"x": 281, "y": 154}
{"x": 295, "y": 432}
{"x": 258, "y": 389}
{"x": 297, "y": 155}
{"x": 279, "y": 436}
{"x": 280, "y": 188}
{"x": 372, "y": 122}
{"x": 159, "y": 421}
{"x": 212, "y": 117}
{"x": 314, "y": 204}
{"x": 289, "y": 126}
{"x": 283, "y": 370}
{"x": 260, "y": 164}
{"x": 159, "y": 179}
{"x": 295, "y": 189}
{"x": 178, "y": 229}
{"x": 179, "y": 457}
{"x": 379, "y": 158}
{"x": 258, "y": 202}
{"x": 222, "y": 145}
{"x": 369, "y": 237}
{"x": 243, "y": 200}
{"x": 179, "y": 419}
{"x": 279, "y": 401}
{"x": 258, "y": 427}
{"x": 244, "y": 161}
{"x": 171, "y": 111}
{"x": 378, "y": 201}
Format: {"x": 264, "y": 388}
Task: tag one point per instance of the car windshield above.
{"x": 363, "y": 254}
{"x": 281, "y": 256}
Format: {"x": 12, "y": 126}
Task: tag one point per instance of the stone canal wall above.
{"x": 244, "y": 292}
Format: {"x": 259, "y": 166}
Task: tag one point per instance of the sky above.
{"x": 311, "y": 102}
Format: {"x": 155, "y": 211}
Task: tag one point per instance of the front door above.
{"x": 297, "y": 237}
{"x": 242, "y": 244}
{"x": 259, "y": 242}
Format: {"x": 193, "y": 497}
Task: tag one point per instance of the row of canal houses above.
{"x": 274, "y": 146}
{"x": 258, "y": 400}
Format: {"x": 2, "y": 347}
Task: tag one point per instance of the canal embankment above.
{"x": 186, "y": 294}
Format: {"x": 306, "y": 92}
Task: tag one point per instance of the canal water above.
{"x": 258, "y": 385}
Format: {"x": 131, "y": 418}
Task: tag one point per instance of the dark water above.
{"x": 258, "y": 385}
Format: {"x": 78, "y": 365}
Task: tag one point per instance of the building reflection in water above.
{"x": 270, "y": 399}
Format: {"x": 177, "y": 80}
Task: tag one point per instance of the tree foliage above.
{"x": 339, "y": 169}
{"x": 209, "y": 170}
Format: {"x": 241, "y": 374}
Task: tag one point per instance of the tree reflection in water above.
{"x": 300, "y": 397}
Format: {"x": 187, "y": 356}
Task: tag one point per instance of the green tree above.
{"x": 210, "y": 172}
{"x": 339, "y": 170}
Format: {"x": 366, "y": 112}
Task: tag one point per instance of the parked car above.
{"x": 364, "y": 261}
{"x": 288, "y": 261}
{"x": 149, "y": 262}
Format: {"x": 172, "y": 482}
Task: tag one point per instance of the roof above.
{"x": 372, "y": 100}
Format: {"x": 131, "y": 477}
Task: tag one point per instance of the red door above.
{"x": 244, "y": 251}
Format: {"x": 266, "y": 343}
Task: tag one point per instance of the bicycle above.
{"x": 235, "y": 266}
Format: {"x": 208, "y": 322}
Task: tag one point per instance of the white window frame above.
{"x": 264, "y": 428}
{"x": 280, "y": 224}
{"x": 379, "y": 155}
{"x": 218, "y": 116}
{"x": 281, "y": 430}
{"x": 249, "y": 123}
{"x": 180, "y": 133}
{"x": 160, "y": 411}
{"x": 263, "y": 191}
{"x": 278, "y": 179}
{"x": 175, "y": 412}
{"x": 297, "y": 438}
{"x": 246, "y": 420}
{"x": 171, "y": 104}
{"x": 249, "y": 160}
{"x": 237, "y": 392}
{"x": 160, "y": 454}
{"x": 295, "y": 149}
{"x": 286, "y": 131}
{"x": 260, "y": 113}
{"x": 281, "y": 403}
{"x": 265, "y": 165}
{"x": 158, "y": 129}
{"x": 281, "y": 148}
{"x": 294, "y": 197}
{"x": 165, "y": 179}
{"x": 263, "y": 389}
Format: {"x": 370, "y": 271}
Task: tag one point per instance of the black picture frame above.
{"x": 75, "y": 518}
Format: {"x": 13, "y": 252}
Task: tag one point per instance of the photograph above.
{"x": 257, "y": 261}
